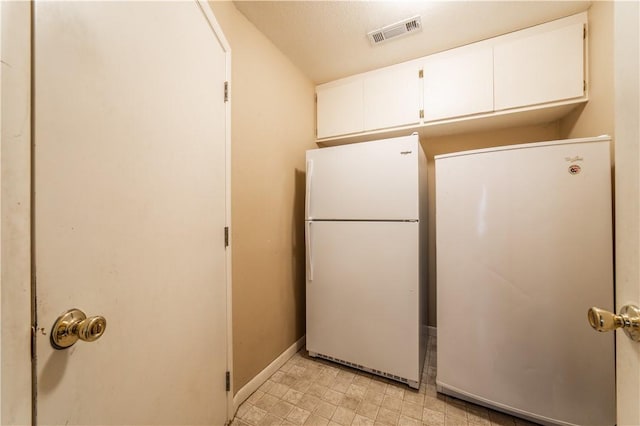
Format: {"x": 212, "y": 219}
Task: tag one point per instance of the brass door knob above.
{"x": 73, "y": 325}
{"x": 628, "y": 320}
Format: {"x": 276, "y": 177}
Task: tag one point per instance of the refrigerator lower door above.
{"x": 363, "y": 296}
{"x": 524, "y": 248}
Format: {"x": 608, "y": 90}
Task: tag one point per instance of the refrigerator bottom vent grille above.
{"x": 362, "y": 367}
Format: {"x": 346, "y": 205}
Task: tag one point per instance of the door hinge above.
{"x": 228, "y": 381}
{"x": 584, "y": 85}
{"x": 421, "y": 74}
{"x": 226, "y": 91}
{"x": 421, "y": 113}
{"x": 226, "y": 236}
{"x": 584, "y": 32}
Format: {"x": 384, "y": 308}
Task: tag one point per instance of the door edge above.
{"x": 217, "y": 31}
{"x": 15, "y": 258}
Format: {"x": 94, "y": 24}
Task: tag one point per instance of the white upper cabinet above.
{"x": 525, "y": 77}
{"x": 392, "y": 97}
{"x": 340, "y": 108}
{"x": 540, "y": 68}
{"x": 389, "y": 97}
{"x": 458, "y": 82}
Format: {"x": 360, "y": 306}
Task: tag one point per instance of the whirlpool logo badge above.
{"x": 405, "y": 152}
{"x": 574, "y": 169}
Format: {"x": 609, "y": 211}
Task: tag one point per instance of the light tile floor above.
{"x": 310, "y": 391}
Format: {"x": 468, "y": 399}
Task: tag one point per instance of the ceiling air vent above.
{"x": 399, "y": 29}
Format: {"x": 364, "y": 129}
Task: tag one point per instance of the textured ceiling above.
{"x": 328, "y": 39}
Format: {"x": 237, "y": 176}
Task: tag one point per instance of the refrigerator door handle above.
{"x": 307, "y": 202}
{"x": 309, "y": 254}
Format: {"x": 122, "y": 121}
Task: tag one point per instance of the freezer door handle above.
{"x": 309, "y": 253}
{"x": 307, "y": 202}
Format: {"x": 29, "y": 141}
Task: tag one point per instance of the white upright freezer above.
{"x": 524, "y": 249}
{"x": 366, "y": 260}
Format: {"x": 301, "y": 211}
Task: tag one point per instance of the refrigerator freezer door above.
{"x": 524, "y": 249}
{"x": 365, "y": 181}
{"x": 362, "y": 305}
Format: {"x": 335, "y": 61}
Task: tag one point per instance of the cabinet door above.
{"x": 340, "y": 108}
{"x": 457, "y": 83}
{"x": 392, "y": 97}
{"x": 540, "y": 68}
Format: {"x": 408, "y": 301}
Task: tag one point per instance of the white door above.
{"x": 130, "y": 206}
{"x": 372, "y": 180}
{"x": 363, "y": 294}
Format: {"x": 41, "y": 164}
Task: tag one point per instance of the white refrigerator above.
{"x": 524, "y": 249}
{"x": 366, "y": 256}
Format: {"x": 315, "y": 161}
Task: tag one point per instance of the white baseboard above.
{"x": 253, "y": 385}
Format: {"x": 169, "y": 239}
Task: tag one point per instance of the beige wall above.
{"x": 273, "y": 118}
